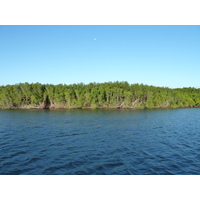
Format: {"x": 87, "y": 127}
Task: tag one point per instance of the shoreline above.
{"x": 91, "y": 108}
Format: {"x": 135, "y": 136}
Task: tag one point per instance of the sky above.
{"x": 166, "y": 56}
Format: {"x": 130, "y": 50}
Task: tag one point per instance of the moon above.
{"x": 95, "y": 39}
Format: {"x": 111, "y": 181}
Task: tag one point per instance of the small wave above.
{"x": 32, "y": 160}
{"x": 55, "y": 170}
{"x": 100, "y": 170}
{"x": 18, "y": 153}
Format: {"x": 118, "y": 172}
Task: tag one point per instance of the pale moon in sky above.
{"x": 95, "y": 39}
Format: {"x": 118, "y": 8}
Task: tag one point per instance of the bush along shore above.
{"x": 95, "y": 96}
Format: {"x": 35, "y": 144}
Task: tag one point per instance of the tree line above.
{"x": 96, "y": 95}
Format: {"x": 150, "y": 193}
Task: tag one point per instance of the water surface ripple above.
{"x": 100, "y": 142}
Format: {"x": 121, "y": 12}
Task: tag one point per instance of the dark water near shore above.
{"x": 100, "y": 141}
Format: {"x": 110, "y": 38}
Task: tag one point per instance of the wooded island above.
{"x": 96, "y": 95}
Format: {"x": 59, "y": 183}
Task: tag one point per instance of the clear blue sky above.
{"x": 155, "y": 55}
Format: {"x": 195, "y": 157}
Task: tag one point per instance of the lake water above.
{"x": 100, "y": 141}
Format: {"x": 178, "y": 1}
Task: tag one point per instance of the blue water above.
{"x": 100, "y": 141}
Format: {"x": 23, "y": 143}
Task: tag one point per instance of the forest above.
{"x": 96, "y": 96}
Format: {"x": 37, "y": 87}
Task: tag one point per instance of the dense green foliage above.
{"x": 96, "y": 95}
